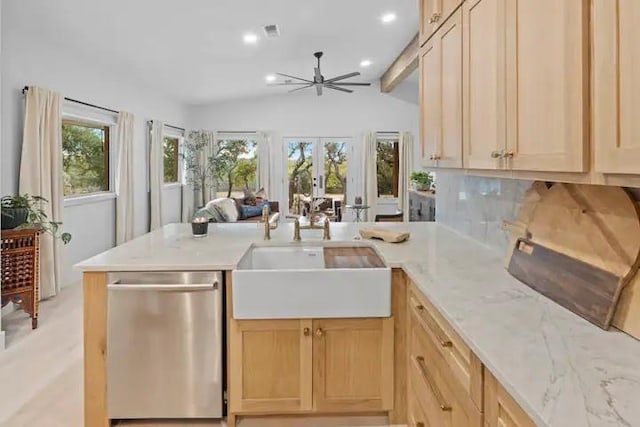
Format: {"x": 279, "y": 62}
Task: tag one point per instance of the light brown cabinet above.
{"x": 327, "y": 365}
{"x": 500, "y": 410}
{"x": 441, "y": 95}
{"x": 484, "y": 83}
{"x": 444, "y": 381}
{"x": 432, "y": 14}
{"x": 526, "y": 92}
{"x": 270, "y": 365}
{"x": 616, "y": 103}
{"x": 547, "y": 63}
{"x": 353, "y": 365}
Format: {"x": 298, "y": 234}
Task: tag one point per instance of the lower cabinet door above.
{"x": 270, "y": 364}
{"x": 353, "y": 365}
{"x": 499, "y": 407}
{"x": 429, "y": 382}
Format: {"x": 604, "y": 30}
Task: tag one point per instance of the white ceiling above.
{"x": 193, "y": 49}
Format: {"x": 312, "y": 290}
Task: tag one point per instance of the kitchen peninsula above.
{"x": 467, "y": 338}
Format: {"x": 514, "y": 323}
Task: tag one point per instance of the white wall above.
{"x": 30, "y": 60}
{"x": 303, "y": 114}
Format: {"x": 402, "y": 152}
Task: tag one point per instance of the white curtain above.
{"x": 369, "y": 145}
{"x": 264, "y": 162}
{"x": 41, "y": 175}
{"x": 156, "y": 174}
{"x": 124, "y": 178}
{"x": 406, "y": 166}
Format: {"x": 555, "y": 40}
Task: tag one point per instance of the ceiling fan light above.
{"x": 365, "y": 63}
{"x": 270, "y": 78}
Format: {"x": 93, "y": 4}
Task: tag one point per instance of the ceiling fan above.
{"x": 335, "y": 83}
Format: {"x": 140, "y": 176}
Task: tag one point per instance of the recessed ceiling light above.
{"x": 365, "y": 63}
{"x": 250, "y": 38}
{"x": 270, "y": 78}
{"x": 388, "y": 17}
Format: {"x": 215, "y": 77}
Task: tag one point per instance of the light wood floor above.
{"x": 41, "y": 374}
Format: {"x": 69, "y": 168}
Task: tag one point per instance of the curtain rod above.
{"x": 26, "y": 89}
{"x": 236, "y": 131}
{"x": 169, "y": 126}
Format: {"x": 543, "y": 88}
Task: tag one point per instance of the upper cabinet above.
{"x": 547, "y": 54}
{"x": 441, "y": 95}
{"x": 432, "y": 14}
{"x": 484, "y": 83}
{"x": 616, "y": 103}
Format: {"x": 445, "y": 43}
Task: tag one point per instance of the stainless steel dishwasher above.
{"x": 164, "y": 345}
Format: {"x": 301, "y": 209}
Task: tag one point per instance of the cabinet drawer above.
{"x": 442, "y": 405}
{"x": 416, "y": 416}
{"x": 464, "y": 366}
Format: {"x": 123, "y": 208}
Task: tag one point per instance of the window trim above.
{"x": 110, "y": 158}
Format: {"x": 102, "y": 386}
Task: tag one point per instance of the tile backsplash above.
{"x": 476, "y": 206}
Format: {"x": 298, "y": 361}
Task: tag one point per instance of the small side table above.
{"x": 357, "y": 210}
{"x": 20, "y": 262}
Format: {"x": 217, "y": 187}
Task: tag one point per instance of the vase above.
{"x": 13, "y": 217}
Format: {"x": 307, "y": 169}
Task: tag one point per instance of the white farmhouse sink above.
{"x": 294, "y": 282}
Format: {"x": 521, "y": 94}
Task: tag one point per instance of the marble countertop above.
{"x": 562, "y": 370}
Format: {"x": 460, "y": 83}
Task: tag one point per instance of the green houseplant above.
{"x": 24, "y": 210}
{"x": 422, "y": 180}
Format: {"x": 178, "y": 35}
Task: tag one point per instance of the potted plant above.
{"x": 422, "y": 181}
{"x": 24, "y": 210}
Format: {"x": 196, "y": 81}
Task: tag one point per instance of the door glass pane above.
{"x": 300, "y": 173}
{"x": 335, "y": 170}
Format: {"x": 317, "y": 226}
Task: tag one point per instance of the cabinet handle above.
{"x": 434, "y": 18}
{"x": 319, "y": 332}
{"x": 508, "y": 154}
{"x": 435, "y": 157}
{"x": 497, "y": 154}
{"x": 306, "y": 332}
{"x": 444, "y": 342}
{"x": 444, "y": 406}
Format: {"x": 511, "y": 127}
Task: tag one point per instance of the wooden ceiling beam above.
{"x": 403, "y": 65}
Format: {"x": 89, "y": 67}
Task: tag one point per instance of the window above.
{"x": 236, "y": 165}
{"x": 388, "y": 165}
{"x": 85, "y": 157}
{"x": 171, "y": 162}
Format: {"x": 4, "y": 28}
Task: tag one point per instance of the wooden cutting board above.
{"x": 586, "y": 290}
{"x": 388, "y": 236}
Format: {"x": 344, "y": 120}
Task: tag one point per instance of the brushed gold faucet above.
{"x": 269, "y": 225}
{"x": 325, "y": 226}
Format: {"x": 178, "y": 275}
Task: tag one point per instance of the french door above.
{"x": 316, "y": 167}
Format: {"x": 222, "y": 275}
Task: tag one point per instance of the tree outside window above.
{"x": 236, "y": 166}
{"x": 171, "y": 156}
{"x": 85, "y": 157}
{"x": 388, "y": 165}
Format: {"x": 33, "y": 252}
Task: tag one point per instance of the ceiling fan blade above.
{"x": 318, "y": 75}
{"x": 342, "y": 77}
{"x": 351, "y": 84}
{"x": 293, "y": 77}
{"x": 288, "y": 84}
{"x": 338, "y": 88}
{"x": 319, "y": 89}
{"x": 300, "y": 88}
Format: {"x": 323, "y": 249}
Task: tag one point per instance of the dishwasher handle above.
{"x": 191, "y": 287}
